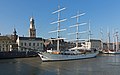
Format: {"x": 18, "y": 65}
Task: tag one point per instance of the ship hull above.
{"x": 61, "y": 57}
{"x": 111, "y": 52}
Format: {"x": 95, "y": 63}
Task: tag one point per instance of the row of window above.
{"x": 4, "y": 49}
{"x": 5, "y": 42}
{"x": 24, "y": 49}
{"x": 31, "y": 44}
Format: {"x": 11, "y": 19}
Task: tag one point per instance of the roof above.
{"x": 4, "y": 38}
{"x": 30, "y": 38}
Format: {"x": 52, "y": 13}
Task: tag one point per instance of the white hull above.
{"x": 111, "y": 52}
{"x": 57, "y": 57}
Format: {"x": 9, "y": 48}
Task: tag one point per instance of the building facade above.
{"x": 111, "y": 46}
{"x": 30, "y": 43}
{"x": 95, "y": 43}
{"x": 5, "y": 43}
{"x": 52, "y": 44}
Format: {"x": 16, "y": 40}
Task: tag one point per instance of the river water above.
{"x": 101, "y": 65}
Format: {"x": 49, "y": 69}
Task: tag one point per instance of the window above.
{"x": 21, "y": 49}
{"x": 37, "y": 44}
{"x": 3, "y": 49}
{"x": 25, "y": 44}
{"x": 21, "y": 44}
{"x": 29, "y": 44}
{"x": 0, "y": 48}
{"x": 33, "y": 44}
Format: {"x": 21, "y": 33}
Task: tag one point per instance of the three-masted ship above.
{"x": 69, "y": 54}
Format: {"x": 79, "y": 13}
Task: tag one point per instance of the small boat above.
{"x": 70, "y": 54}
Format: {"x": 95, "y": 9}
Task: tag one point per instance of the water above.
{"x": 101, "y": 65}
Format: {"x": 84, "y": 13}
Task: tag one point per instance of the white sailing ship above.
{"x": 70, "y": 54}
{"x": 114, "y": 50}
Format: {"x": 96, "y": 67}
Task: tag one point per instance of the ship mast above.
{"x": 108, "y": 40}
{"x": 89, "y": 32}
{"x": 77, "y": 26}
{"x": 113, "y": 39}
{"x": 101, "y": 32}
{"x": 116, "y": 40}
{"x": 58, "y": 25}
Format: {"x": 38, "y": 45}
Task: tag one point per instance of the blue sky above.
{"x": 16, "y": 13}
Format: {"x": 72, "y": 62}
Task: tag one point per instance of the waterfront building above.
{"x": 105, "y": 46}
{"x": 92, "y": 43}
{"x": 14, "y": 36}
{"x": 52, "y": 44}
{"x": 5, "y": 43}
{"x": 95, "y": 43}
{"x": 30, "y": 43}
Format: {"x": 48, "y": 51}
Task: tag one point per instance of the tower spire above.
{"x": 14, "y": 36}
{"x": 32, "y": 30}
{"x": 14, "y": 31}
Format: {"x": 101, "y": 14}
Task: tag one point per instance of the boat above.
{"x": 113, "y": 51}
{"x": 69, "y": 54}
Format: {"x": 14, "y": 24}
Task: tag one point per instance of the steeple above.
{"x": 14, "y": 36}
{"x": 32, "y": 30}
{"x": 14, "y": 31}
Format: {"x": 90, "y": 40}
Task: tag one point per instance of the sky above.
{"x": 103, "y": 14}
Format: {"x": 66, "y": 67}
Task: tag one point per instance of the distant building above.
{"x": 52, "y": 44}
{"x": 47, "y": 44}
{"x": 13, "y": 37}
{"x": 5, "y": 43}
{"x": 105, "y": 46}
{"x": 95, "y": 43}
{"x": 111, "y": 47}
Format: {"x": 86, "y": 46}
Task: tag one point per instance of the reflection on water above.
{"x": 102, "y": 65}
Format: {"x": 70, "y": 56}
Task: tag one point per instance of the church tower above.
{"x": 32, "y": 30}
{"x": 14, "y": 36}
